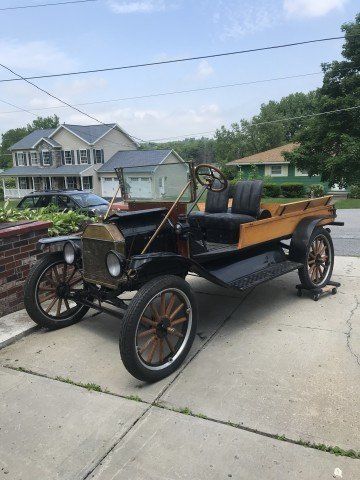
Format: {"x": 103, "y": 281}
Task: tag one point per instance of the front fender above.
{"x": 149, "y": 265}
{"x": 301, "y": 237}
{"x": 47, "y": 242}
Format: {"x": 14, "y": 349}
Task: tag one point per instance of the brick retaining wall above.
{"x": 17, "y": 255}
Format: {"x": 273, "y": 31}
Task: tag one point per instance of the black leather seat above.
{"x": 220, "y": 225}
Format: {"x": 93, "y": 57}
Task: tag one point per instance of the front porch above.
{"x": 18, "y": 187}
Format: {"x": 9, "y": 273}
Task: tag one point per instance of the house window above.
{"x": 83, "y": 156}
{"x": 67, "y": 157}
{"x": 20, "y": 156}
{"x": 71, "y": 183}
{"x": 299, "y": 173}
{"x": 275, "y": 170}
{"x": 23, "y": 183}
{"x": 34, "y": 158}
{"x": 87, "y": 183}
{"x": 98, "y": 156}
{"x": 46, "y": 157}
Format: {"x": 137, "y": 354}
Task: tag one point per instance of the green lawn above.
{"x": 340, "y": 204}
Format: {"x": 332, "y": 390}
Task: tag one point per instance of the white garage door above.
{"x": 139, "y": 187}
{"x": 109, "y": 185}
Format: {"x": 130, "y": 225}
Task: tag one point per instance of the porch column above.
{"x": 3, "y": 184}
{"x": 17, "y": 186}
{"x": 65, "y": 182}
{"x": 50, "y": 183}
{"x": 33, "y": 183}
{"x": 81, "y": 182}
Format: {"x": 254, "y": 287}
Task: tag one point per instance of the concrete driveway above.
{"x": 347, "y": 238}
{"x": 271, "y": 379}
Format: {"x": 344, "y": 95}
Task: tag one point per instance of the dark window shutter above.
{"x": 89, "y": 156}
{"x": 77, "y": 156}
{"x": 62, "y": 157}
{"x": 102, "y": 156}
{"x": 51, "y": 157}
{"x": 16, "y": 159}
{"x": 41, "y": 158}
{"x": 72, "y": 156}
{"x": 28, "y": 158}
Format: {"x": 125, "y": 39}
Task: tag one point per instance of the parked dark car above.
{"x": 78, "y": 200}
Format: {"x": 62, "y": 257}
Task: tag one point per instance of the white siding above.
{"x": 114, "y": 141}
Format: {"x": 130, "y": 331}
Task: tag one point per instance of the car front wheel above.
{"x": 158, "y": 328}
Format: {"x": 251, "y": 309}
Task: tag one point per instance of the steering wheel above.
{"x": 208, "y": 175}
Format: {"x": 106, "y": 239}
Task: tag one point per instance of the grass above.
{"x": 342, "y": 203}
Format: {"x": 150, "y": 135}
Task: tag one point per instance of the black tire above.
{"x": 31, "y": 296}
{"x": 305, "y": 273}
{"x": 169, "y": 286}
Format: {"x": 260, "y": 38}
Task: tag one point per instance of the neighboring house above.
{"x": 152, "y": 174}
{"x": 272, "y": 163}
{"x": 64, "y": 157}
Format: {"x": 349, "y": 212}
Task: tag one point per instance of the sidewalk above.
{"x": 268, "y": 371}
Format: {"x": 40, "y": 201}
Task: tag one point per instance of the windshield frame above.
{"x": 192, "y": 184}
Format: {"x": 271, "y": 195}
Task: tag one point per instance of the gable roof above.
{"x": 274, "y": 155}
{"x": 48, "y": 140}
{"x": 32, "y": 138}
{"x": 145, "y": 160}
{"x": 88, "y": 133}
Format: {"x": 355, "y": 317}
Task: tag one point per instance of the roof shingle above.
{"x": 274, "y": 155}
{"x": 145, "y": 160}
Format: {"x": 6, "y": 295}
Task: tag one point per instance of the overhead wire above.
{"x": 36, "y": 5}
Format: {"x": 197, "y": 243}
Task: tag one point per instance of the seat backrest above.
{"x": 247, "y": 197}
{"x": 217, "y": 202}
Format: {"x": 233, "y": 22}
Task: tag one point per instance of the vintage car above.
{"x": 232, "y": 240}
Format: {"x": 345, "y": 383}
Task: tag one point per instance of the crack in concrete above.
{"x": 348, "y": 333}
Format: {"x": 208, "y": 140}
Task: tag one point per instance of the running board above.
{"x": 273, "y": 271}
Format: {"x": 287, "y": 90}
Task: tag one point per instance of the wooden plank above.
{"x": 260, "y": 231}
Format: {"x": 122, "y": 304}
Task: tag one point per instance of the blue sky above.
{"x": 116, "y": 32}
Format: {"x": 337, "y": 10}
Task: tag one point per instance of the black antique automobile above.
{"x": 232, "y": 240}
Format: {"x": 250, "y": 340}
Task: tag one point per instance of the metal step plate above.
{"x": 264, "y": 275}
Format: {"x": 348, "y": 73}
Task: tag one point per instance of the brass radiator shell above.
{"x": 98, "y": 239}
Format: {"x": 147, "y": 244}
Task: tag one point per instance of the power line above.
{"x": 177, "y": 92}
{"x": 178, "y": 60}
{"x": 45, "y": 5}
{"x": 56, "y": 98}
{"x": 19, "y": 108}
{"x": 258, "y": 124}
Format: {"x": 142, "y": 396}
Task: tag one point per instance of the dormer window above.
{"x": 83, "y": 156}
{"x": 46, "y": 157}
{"x": 20, "y": 157}
{"x": 98, "y": 156}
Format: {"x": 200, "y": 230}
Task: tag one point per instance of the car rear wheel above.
{"x": 319, "y": 262}
{"x": 46, "y": 290}
{"x": 158, "y": 328}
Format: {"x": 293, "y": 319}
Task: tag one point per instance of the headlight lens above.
{"x": 69, "y": 253}
{"x": 114, "y": 263}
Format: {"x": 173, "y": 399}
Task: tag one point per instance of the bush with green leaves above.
{"x": 293, "y": 190}
{"x": 354, "y": 191}
{"x": 63, "y": 223}
{"x": 239, "y": 176}
{"x": 316, "y": 190}
{"x": 272, "y": 190}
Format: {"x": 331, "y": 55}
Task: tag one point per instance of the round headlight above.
{"x": 114, "y": 264}
{"x": 69, "y": 253}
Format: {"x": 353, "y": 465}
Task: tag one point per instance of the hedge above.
{"x": 293, "y": 190}
{"x": 316, "y": 190}
{"x": 272, "y": 190}
{"x": 354, "y": 191}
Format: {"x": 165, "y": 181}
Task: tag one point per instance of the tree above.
{"x": 15, "y": 134}
{"x": 330, "y": 143}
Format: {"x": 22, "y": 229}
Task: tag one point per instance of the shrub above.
{"x": 272, "y": 190}
{"x": 316, "y": 190}
{"x": 253, "y": 173}
{"x": 354, "y": 191}
{"x": 63, "y": 223}
{"x": 1, "y": 194}
{"x": 239, "y": 176}
{"x": 293, "y": 190}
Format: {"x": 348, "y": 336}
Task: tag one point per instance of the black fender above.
{"x": 148, "y": 265}
{"x": 301, "y": 237}
{"x": 47, "y": 242}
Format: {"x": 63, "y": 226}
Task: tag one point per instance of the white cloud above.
{"x": 311, "y": 8}
{"x": 35, "y": 56}
{"x": 204, "y": 70}
{"x": 144, "y": 6}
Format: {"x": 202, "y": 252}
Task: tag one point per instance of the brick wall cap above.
{"x": 25, "y": 228}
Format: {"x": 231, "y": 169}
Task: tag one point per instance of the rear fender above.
{"x": 301, "y": 237}
{"x": 47, "y": 242}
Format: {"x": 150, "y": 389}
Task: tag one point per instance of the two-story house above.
{"x": 68, "y": 156}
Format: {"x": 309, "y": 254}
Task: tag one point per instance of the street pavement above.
{"x": 268, "y": 371}
{"x": 347, "y": 238}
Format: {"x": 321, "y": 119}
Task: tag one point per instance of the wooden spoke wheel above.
{"x": 158, "y": 328}
{"x": 319, "y": 261}
{"x": 47, "y": 290}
